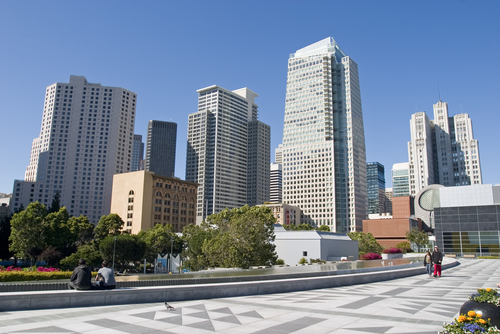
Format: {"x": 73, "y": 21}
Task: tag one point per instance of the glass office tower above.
{"x": 324, "y": 159}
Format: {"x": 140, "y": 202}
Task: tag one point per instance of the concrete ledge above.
{"x": 15, "y": 301}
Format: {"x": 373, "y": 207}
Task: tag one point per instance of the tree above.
{"x": 56, "y": 203}
{"x": 417, "y": 237}
{"x": 303, "y": 227}
{"x": 232, "y": 238}
{"x": 28, "y": 231}
{"x": 194, "y": 236}
{"x": 5, "y": 229}
{"x": 88, "y": 252}
{"x": 128, "y": 248}
{"x": 110, "y": 225}
{"x": 159, "y": 240}
{"x": 324, "y": 228}
{"x": 366, "y": 242}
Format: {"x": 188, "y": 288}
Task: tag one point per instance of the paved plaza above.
{"x": 418, "y": 305}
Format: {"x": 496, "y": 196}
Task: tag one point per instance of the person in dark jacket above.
{"x": 437, "y": 258}
{"x": 81, "y": 277}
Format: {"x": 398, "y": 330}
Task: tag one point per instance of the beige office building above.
{"x": 143, "y": 199}
{"x": 285, "y": 214}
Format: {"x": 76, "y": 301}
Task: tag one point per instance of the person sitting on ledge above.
{"x": 81, "y": 277}
{"x": 105, "y": 278}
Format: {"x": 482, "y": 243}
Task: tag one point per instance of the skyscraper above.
{"x": 401, "y": 179}
{"x": 160, "y": 148}
{"x": 222, "y": 137}
{"x": 137, "y": 154}
{"x": 85, "y": 138}
{"x": 442, "y": 151}
{"x": 276, "y": 183}
{"x": 376, "y": 187}
{"x": 324, "y": 159}
{"x": 258, "y": 173}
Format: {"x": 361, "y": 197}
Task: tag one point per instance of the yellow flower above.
{"x": 461, "y": 318}
{"x": 488, "y": 289}
{"x": 471, "y": 314}
{"x": 469, "y": 318}
{"x": 478, "y": 315}
{"x": 482, "y": 321}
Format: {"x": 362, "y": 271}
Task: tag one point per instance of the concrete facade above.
{"x": 143, "y": 199}
{"x": 285, "y": 214}
{"x": 218, "y": 151}
{"x": 85, "y": 137}
{"x": 324, "y": 158}
{"x": 442, "y": 151}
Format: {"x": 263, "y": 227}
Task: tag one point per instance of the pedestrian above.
{"x": 81, "y": 277}
{"x": 437, "y": 258}
{"x": 106, "y": 276}
{"x": 428, "y": 263}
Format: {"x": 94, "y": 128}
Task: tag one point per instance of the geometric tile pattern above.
{"x": 411, "y": 305}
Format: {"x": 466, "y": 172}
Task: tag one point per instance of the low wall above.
{"x": 15, "y": 301}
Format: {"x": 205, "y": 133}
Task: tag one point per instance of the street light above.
{"x": 171, "y": 250}
{"x": 114, "y": 250}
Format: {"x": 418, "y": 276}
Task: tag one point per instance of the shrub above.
{"x": 491, "y": 257}
{"x": 405, "y": 247}
{"x": 280, "y": 262}
{"x": 13, "y": 274}
{"x": 317, "y": 260}
{"x": 371, "y": 256}
{"x": 392, "y": 250}
{"x": 303, "y": 261}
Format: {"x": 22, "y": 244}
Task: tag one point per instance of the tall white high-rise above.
{"x": 324, "y": 159}
{"x": 442, "y": 151}
{"x": 228, "y": 151}
{"x": 85, "y": 137}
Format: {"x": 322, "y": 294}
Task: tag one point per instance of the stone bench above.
{"x": 469, "y": 256}
{"x": 14, "y": 301}
{"x": 450, "y": 255}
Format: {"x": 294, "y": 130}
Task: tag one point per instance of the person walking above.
{"x": 81, "y": 277}
{"x": 437, "y": 258}
{"x": 107, "y": 277}
{"x": 428, "y": 263}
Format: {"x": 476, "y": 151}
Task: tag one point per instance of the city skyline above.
{"x": 399, "y": 68}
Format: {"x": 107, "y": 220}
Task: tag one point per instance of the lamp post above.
{"x": 171, "y": 250}
{"x": 114, "y": 250}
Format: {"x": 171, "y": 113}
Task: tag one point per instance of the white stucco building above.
{"x": 291, "y": 246}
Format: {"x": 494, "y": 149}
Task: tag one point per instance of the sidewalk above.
{"x": 417, "y": 305}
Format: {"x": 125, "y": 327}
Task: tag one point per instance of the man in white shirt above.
{"x": 107, "y": 276}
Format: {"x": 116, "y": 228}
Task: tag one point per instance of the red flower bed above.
{"x": 371, "y": 256}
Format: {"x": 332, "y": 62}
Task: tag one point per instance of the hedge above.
{"x": 13, "y": 276}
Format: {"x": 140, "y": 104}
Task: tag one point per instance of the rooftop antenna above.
{"x": 439, "y": 92}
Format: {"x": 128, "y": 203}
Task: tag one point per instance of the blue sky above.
{"x": 166, "y": 50}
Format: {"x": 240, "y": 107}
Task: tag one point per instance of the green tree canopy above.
{"x": 366, "y": 242}
{"x": 5, "y": 230}
{"x": 110, "y": 225}
{"x": 56, "y": 203}
{"x": 129, "y": 248}
{"x": 88, "y": 252}
{"x": 159, "y": 241}
{"x": 232, "y": 238}
{"x": 303, "y": 227}
{"x": 28, "y": 231}
{"x": 324, "y": 228}
{"x": 417, "y": 237}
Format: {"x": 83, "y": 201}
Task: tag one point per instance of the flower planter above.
{"x": 486, "y": 310}
{"x": 392, "y": 256}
